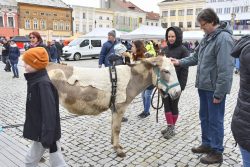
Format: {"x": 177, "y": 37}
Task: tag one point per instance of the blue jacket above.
{"x": 215, "y": 64}
{"x": 14, "y": 54}
{"x": 53, "y": 52}
{"x": 107, "y": 49}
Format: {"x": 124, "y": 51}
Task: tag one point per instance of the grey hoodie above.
{"x": 215, "y": 64}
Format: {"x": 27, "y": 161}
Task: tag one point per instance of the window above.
{"x": 10, "y": 22}
{"x": 147, "y": 23}
{"x": 156, "y": 24}
{"x": 100, "y": 25}
{"x": 83, "y": 15}
{"x": 152, "y": 24}
{"x": 107, "y": 18}
{"x": 181, "y": 24}
{"x": 219, "y": 10}
{"x": 55, "y": 25}
{"x": 140, "y": 20}
{"x": 189, "y": 24}
{"x": 172, "y": 24}
{"x": 107, "y": 26}
{"x": 90, "y": 28}
{"x": 172, "y": 12}
{"x": 164, "y": 13}
{"x": 96, "y": 43}
{"x": 84, "y": 43}
{"x": 42, "y": 14}
{"x": 227, "y": 10}
{"x": 197, "y": 11}
{"x": 35, "y": 24}
{"x": 100, "y": 17}
{"x": 43, "y": 25}
{"x": 1, "y": 21}
{"x": 61, "y": 26}
{"x": 189, "y": 11}
{"x": 180, "y": 12}
{"x": 164, "y": 25}
{"x": 236, "y": 9}
{"x": 27, "y": 24}
{"x": 67, "y": 15}
{"x": 77, "y": 27}
{"x": 27, "y": 12}
{"x": 55, "y": 14}
{"x": 83, "y": 28}
{"x": 67, "y": 27}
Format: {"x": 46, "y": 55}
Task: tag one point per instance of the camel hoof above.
{"x": 122, "y": 154}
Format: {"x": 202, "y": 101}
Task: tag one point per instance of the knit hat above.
{"x": 36, "y": 57}
{"x": 120, "y": 49}
{"x": 112, "y": 33}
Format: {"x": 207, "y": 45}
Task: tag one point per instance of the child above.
{"x": 42, "y": 123}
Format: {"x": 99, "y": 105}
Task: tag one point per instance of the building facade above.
{"x": 8, "y": 19}
{"x": 153, "y": 19}
{"x": 127, "y": 16}
{"x": 235, "y": 12}
{"x": 181, "y": 13}
{"x": 51, "y": 18}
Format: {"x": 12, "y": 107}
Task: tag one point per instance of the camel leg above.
{"x": 116, "y": 127}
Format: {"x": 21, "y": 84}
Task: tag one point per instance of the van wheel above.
{"x": 77, "y": 56}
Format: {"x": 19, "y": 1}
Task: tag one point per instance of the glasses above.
{"x": 32, "y": 37}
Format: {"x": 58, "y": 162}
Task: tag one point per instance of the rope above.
{"x": 158, "y": 101}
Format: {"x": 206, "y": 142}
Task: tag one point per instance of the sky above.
{"x": 147, "y": 5}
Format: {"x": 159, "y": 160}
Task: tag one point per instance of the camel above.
{"x": 87, "y": 91}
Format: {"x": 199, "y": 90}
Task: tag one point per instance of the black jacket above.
{"x": 241, "y": 119}
{"x": 42, "y": 121}
{"x": 178, "y": 51}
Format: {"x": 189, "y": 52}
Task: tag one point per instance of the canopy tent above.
{"x": 193, "y": 35}
{"x": 20, "y": 39}
{"x": 145, "y": 32}
{"x": 101, "y": 32}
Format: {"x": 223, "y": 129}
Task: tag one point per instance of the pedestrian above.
{"x": 42, "y": 123}
{"x": 53, "y": 52}
{"x": 14, "y": 55}
{"x": 150, "y": 49}
{"x": 107, "y": 49}
{"x": 241, "y": 117}
{"x": 213, "y": 80}
{"x": 35, "y": 40}
{"x": 1, "y": 49}
{"x": 5, "y": 55}
{"x": 174, "y": 49}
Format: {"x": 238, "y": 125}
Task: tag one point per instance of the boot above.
{"x": 201, "y": 149}
{"x": 170, "y": 132}
{"x": 212, "y": 158}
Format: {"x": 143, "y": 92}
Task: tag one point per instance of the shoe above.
{"x": 124, "y": 119}
{"x": 14, "y": 77}
{"x": 165, "y": 130}
{"x": 212, "y": 158}
{"x": 42, "y": 160}
{"x": 145, "y": 115}
{"x": 140, "y": 115}
{"x": 170, "y": 132}
{"x": 201, "y": 149}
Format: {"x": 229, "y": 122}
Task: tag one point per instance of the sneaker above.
{"x": 140, "y": 115}
{"x": 145, "y": 115}
{"x": 212, "y": 158}
{"x": 170, "y": 132}
{"x": 201, "y": 149}
{"x": 124, "y": 119}
{"x": 164, "y": 131}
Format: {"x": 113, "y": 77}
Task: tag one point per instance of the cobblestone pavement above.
{"x": 86, "y": 139}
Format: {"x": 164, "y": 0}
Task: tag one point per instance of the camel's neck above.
{"x": 141, "y": 78}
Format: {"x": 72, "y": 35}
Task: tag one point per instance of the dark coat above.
{"x": 178, "y": 51}
{"x": 107, "y": 49}
{"x": 42, "y": 123}
{"x": 14, "y": 54}
{"x": 241, "y": 118}
{"x": 5, "y": 51}
{"x": 53, "y": 52}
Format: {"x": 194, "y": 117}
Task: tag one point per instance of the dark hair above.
{"x": 37, "y": 35}
{"x": 208, "y": 15}
{"x": 140, "y": 50}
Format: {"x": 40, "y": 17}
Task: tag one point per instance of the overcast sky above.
{"x": 147, "y": 5}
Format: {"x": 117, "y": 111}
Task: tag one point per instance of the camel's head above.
{"x": 164, "y": 76}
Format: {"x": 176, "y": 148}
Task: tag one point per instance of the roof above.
{"x": 128, "y": 5}
{"x": 52, "y": 3}
{"x": 152, "y": 16}
{"x": 8, "y": 3}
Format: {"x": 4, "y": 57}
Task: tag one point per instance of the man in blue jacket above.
{"x": 213, "y": 80}
{"x": 107, "y": 49}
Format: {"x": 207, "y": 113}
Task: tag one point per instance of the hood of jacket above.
{"x": 224, "y": 26}
{"x": 178, "y": 34}
{"x": 239, "y": 45}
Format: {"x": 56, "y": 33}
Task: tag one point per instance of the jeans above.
{"x": 15, "y": 69}
{"x": 146, "y": 98}
{"x": 245, "y": 157}
{"x": 212, "y": 121}
{"x": 54, "y": 60}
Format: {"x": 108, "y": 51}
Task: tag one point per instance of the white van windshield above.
{"x": 75, "y": 42}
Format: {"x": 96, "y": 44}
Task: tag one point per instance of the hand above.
{"x": 99, "y": 66}
{"x": 175, "y": 62}
{"x": 216, "y": 101}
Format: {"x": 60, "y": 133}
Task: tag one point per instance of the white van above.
{"x": 83, "y": 47}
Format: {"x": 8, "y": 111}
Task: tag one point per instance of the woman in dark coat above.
{"x": 14, "y": 55}
{"x": 241, "y": 118}
{"x": 176, "y": 50}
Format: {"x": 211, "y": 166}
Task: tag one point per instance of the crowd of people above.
{"x": 214, "y": 57}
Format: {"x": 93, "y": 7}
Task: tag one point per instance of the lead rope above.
{"x": 158, "y": 101}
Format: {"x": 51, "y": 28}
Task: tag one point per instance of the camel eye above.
{"x": 166, "y": 71}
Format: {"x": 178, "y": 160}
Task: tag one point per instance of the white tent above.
{"x": 145, "y": 32}
{"x": 193, "y": 35}
{"x": 101, "y": 32}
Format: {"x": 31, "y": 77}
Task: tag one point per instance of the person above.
{"x": 5, "y": 55}
{"x": 1, "y": 49}
{"x": 53, "y": 52}
{"x": 35, "y": 40}
{"x": 14, "y": 55}
{"x": 150, "y": 48}
{"x": 237, "y": 66}
{"x": 213, "y": 80}
{"x": 174, "y": 49}
{"x": 241, "y": 118}
{"x": 107, "y": 49}
{"x": 42, "y": 123}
